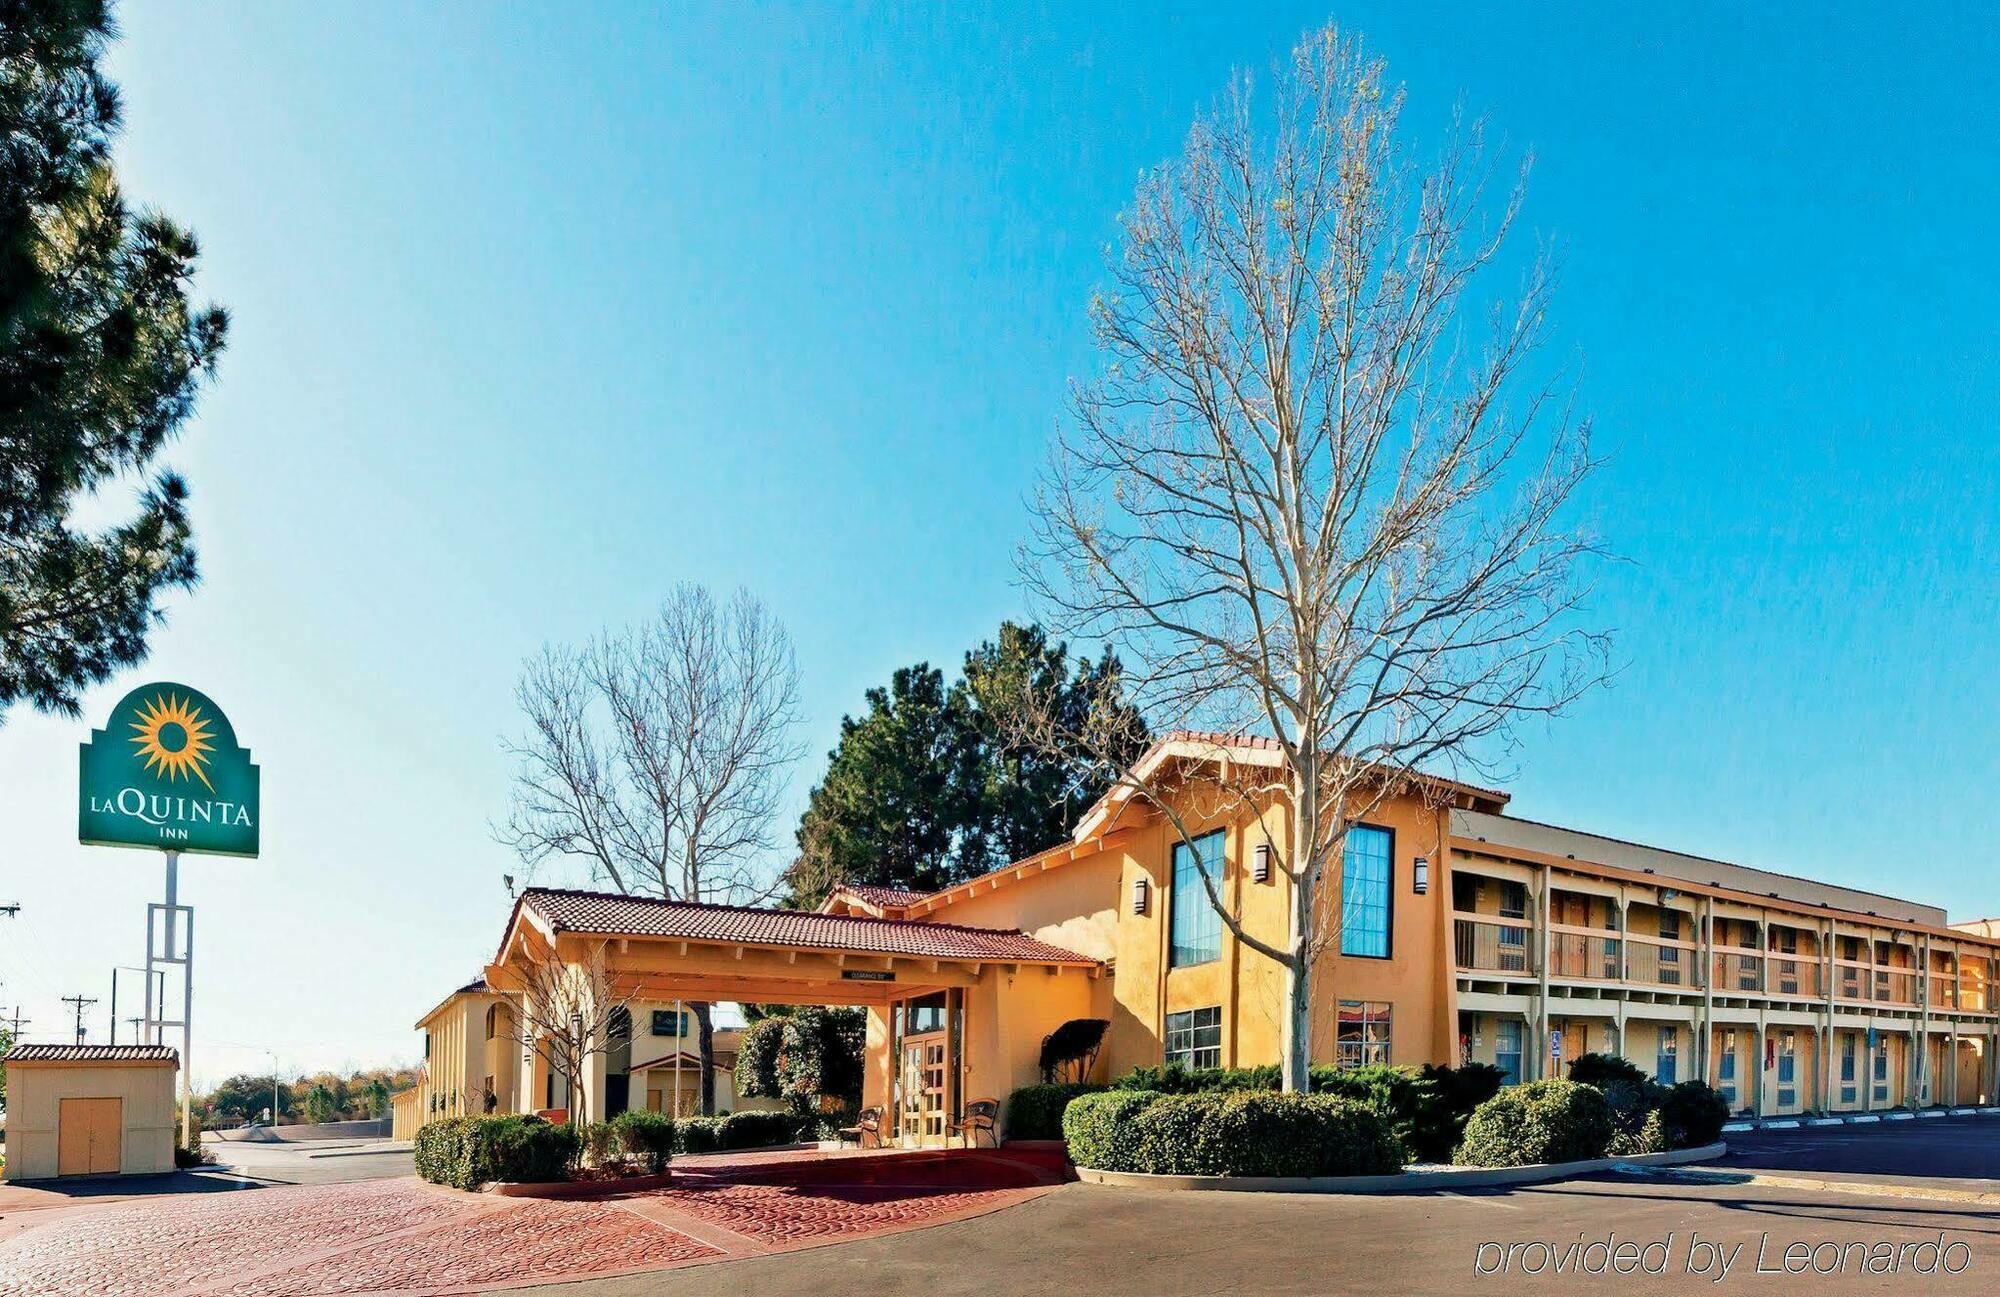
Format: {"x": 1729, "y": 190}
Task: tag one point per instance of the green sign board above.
{"x": 166, "y": 773}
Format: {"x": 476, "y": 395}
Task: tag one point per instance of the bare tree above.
{"x": 656, "y": 757}
{"x": 569, "y": 1013}
{"x": 1296, "y": 501}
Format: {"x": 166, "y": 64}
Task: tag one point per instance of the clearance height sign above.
{"x": 166, "y": 773}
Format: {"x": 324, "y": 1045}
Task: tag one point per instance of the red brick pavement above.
{"x": 402, "y": 1236}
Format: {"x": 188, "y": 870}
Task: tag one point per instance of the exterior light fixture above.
{"x": 1140, "y": 890}
{"x": 1260, "y": 870}
{"x": 1420, "y": 876}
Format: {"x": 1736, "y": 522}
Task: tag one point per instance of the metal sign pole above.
{"x": 173, "y": 948}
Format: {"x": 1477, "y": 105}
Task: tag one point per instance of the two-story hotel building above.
{"x": 1466, "y": 933}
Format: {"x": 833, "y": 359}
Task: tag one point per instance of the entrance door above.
{"x": 924, "y": 1088}
{"x": 88, "y": 1136}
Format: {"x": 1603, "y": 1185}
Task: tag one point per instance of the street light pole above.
{"x": 274, "y": 1087}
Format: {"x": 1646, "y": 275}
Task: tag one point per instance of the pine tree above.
{"x": 928, "y": 787}
{"x": 101, "y": 354}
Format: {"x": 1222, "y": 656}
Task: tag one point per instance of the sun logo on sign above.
{"x": 174, "y": 739}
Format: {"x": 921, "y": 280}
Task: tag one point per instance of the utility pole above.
{"x": 81, "y": 1002}
{"x": 19, "y": 1021}
{"x": 10, "y": 910}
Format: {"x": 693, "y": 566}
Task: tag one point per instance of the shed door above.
{"x": 89, "y": 1135}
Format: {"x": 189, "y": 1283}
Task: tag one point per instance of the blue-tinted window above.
{"x": 1195, "y": 935}
{"x": 1365, "y": 877}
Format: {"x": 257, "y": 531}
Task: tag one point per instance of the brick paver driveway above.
{"x": 403, "y": 1236}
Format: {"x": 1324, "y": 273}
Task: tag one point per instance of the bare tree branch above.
{"x": 1291, "y": 501}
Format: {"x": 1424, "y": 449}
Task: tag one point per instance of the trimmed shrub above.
{"x": 1543, "y": 1121}
{"x": 1602, "y": 1069}
{"x": 1459, "y": 1090}
{"x": 1036, "y": 1111}
{"x": 648, "y": 1136}
{"x": 698, "y": 1134}
{"x": 442, "y": 1151}
{"x": 1691, "y": 1115}
{"x": 1427, "y": 1108}
{"x": 1101, "y": 1128}
{"x": 1176, "y": 1079}
{"x": 1635, "y": 1117}
{"x": 522, "y": 1150}
{"x": 600, "y": 1143}
{"x": 466, "y": 1152}
{"x": 758, "y": 1129}
{"x": 1262, "y": 1133}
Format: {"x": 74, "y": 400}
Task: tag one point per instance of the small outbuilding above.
{"x": 90, "y": 1110}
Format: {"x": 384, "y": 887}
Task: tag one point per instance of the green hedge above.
{"x": 1691, "y": 1115}
{"x": 1036, "y": 1111}
{"x": 1427, "y": 1108}
{"x": 1240, "y": 1132}
{"x": 1100, "y": 1128}
{"x": 648, "y": 1136}
{"x": 466, "y": 1152}
{"x": 759, "y": 1129}
{"x": 1543, "y": 1121}
{"x": 698, "y": 1134}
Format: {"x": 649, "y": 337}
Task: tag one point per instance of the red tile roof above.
{"x": 603, "y": 913}
{"x": 91, "y": 1054}
{"x": 1265, "y": 743}
{"x": 886, "y": 897}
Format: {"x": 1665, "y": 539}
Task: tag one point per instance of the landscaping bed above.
{"x": 525, "y": 1155}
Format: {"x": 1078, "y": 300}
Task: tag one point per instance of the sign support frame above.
{"x": 159, "y": 957}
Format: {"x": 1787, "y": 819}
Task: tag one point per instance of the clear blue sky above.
{"x": 538, "y": 313}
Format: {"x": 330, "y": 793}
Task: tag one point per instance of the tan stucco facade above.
{"x": 41, "y": 1096}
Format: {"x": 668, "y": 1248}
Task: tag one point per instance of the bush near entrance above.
{"x": 647, "y": 1136}
{"x": 1231, "y": 1132}
{"x": 1036, "y": 1111}
{"x": 466, "y": 1152}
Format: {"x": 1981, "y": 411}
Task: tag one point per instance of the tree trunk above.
{"x": 705, "y": 1047}
{"x": 1296, "y": 1038}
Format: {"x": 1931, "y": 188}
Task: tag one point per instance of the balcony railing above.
{"x": 1735, "y": 972}
{"x": 1894, "y": 987}
{"x": 1791, "y": 975}
{"x": 1585, "y": 955}
{"x": 1495, "y": 945}
{"x": 1659, "y": 963}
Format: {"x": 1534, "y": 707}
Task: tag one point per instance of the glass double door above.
{"x": 925, "y": 1088}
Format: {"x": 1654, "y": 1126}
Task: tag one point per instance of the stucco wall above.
{"x": 35, "y": 1092}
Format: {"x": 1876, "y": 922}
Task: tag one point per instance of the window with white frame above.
{"x": 1194, "y": 1038}
{"x": 1362, "y": 1038}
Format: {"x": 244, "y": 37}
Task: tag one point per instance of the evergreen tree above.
{"x": 1029, "y": 798}
{"x": 929, "y": 787}
{"x": 897, "y": 793}
{"x": 101, "y": 354}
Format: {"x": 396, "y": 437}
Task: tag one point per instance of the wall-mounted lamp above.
{"x": 1141, "y": 890}
{"x": 1260, "y": 868}
{"x": 1667, "y": 894}
{"x": 1420, "y": 876}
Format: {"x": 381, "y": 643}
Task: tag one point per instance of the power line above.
{"x": 81, "y": 1002}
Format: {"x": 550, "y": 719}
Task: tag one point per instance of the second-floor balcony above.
{"x": 1493, "y": 944}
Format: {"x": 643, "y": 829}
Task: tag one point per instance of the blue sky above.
{"x": 540, "y": 311}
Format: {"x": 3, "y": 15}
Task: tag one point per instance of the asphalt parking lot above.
{"x": 1113, "y": 1242}
{"x": 1959, "y": 1154}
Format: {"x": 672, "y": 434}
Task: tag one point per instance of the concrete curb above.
{"x": 1860, "y": 1188}
{"x": 1454, "y": 1177}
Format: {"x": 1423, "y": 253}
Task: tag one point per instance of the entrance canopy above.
{"x": 666, "y": 950}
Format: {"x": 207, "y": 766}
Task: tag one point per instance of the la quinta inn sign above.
{"x": 166, "y": 773}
